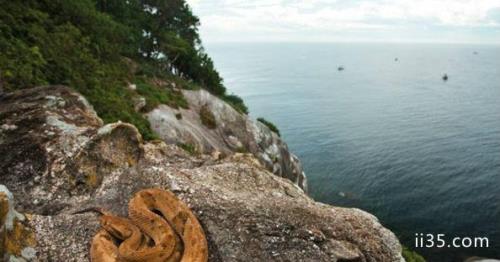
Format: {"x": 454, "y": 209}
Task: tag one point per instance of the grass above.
{"x": 270, "y": 125}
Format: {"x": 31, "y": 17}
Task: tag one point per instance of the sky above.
{"x": 446, "y": 21}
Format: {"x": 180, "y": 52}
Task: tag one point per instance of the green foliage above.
{"x": 156, "y": 95}
{"x": 190, "y": 148}
{"x": 412, "y": 256}
{"x": 85, "y": 43}
{"x": 183, "y": 84}
{"x": 270, "y": 125}
{"x": 113, "y": 105}
{"x": 207, "y": 117}
{"x": 168, "y": 39}
{"x": 236, "y": 102}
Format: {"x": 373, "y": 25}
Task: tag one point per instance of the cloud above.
{"x": 494, "y": 15}
{"x": 294, "y": 19}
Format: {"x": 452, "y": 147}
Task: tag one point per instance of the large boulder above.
{"x": 73, "y": 162}
{"x": 226, "y": 131}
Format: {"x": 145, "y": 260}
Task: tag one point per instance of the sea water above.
{"x": 387, "y": 134}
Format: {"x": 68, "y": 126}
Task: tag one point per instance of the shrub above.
{"x": 97, "y": 46}
{"x": 412, "y": 256}
{"x": 270, "y": 125}
{"x": 156, "y": 95}
{"x": 236, "y": 102}
{"x": 207, "y": 117}
{"x": 112, "y": 104}
{"x": 190, "y": 148}
{"x": 183, "y": 83}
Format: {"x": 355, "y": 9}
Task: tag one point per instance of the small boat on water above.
{"x": 340, "y": 68}
{"x": 445, "y": 77}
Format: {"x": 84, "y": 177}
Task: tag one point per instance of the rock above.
{"x": 17, "y": 239}
{"x": 53, "y": 125}
{"x": 132, "y": 87}
{"x": 248, "y": 213}
{"x": 480, "y": 259}
{"x": 211, "y": 125}
{"x": 139, "y": 103}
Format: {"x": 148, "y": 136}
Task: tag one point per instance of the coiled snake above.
{"x": 160, "y": 228}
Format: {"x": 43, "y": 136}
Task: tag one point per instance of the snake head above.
{"x": 118, "y": 227}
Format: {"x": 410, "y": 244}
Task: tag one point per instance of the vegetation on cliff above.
{"x": 412, "y": 256}
{"x": 99, "y": 47}
{"x": 270, "y": 125}
{"x": 207, "y": 117}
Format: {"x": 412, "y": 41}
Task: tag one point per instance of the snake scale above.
{"x": 160, "y": 227}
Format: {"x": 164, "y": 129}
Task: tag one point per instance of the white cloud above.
{"x": 293, "y": 19}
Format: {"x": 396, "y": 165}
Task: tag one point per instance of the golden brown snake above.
{"x": 160, "y": 228}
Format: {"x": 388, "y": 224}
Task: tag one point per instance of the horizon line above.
{"x": 353, "y": 42}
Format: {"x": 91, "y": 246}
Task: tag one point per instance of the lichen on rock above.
{"x": 114, "y": 146}
{"x": 17, "y": 239}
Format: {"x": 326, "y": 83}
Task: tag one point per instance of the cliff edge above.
{"x": 58, "y": 158}
{"x": 210, "y": 125}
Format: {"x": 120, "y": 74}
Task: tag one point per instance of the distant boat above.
{"x": 475, "y": 52}
{"x": 445, "y": 77}
{"x": 341, "y": 68}
{"x": 348, "y": 195}
{"x": 396, "y": 59}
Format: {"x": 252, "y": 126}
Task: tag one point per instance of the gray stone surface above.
{"x": 60, "y": 159}
{"x": 234, "y": 132}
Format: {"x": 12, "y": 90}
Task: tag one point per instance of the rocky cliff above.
{"x": 227, "y": 132}
{"x": 58, "y": 158}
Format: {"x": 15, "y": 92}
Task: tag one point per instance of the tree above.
{"x": 85, "y": 43}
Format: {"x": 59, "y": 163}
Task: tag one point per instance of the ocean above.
{"x": 387, "y": 134}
